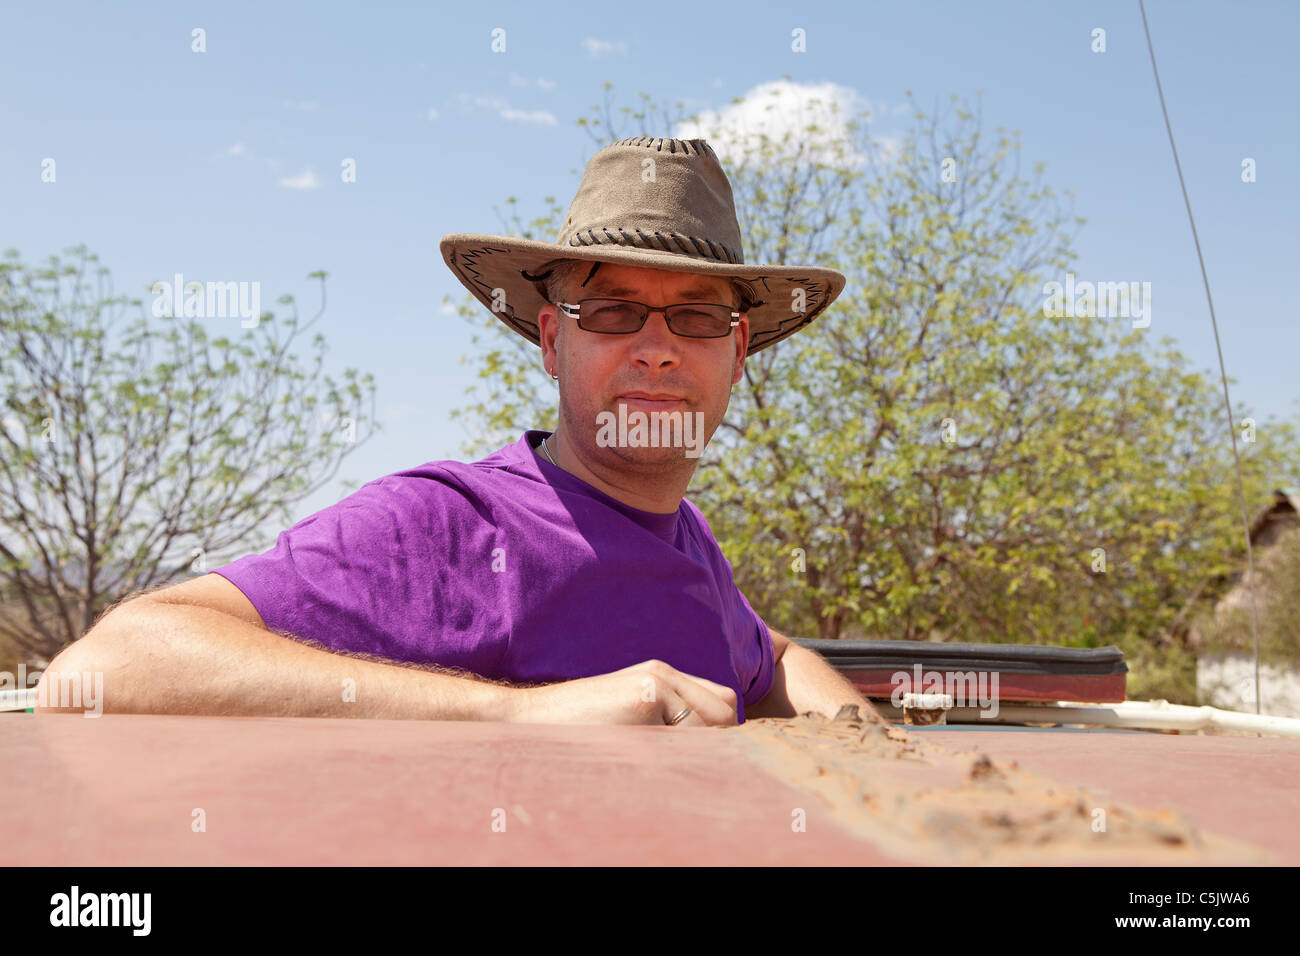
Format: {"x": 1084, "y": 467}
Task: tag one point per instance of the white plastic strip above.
{"x": 1134, "y": 714}
{"x": 17, "y": 699}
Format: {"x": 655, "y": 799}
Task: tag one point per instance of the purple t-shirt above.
{"x": 513, "y": 569}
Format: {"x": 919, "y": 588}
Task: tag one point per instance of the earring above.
{"x": 554, "y": 377}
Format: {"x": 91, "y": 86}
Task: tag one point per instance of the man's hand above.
{"x": 651, "y": 692}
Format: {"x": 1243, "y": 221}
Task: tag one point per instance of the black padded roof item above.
{"x": 1011, "y": 658}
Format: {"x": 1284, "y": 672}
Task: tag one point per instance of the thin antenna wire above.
{"x": 1232, "y": 433}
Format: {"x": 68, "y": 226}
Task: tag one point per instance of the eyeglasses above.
{"x": 692, "y": 320}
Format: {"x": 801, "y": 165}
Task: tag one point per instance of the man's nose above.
{"x": 656, "y": 344}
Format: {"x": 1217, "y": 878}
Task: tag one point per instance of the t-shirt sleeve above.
{"x": 351, "y": 577}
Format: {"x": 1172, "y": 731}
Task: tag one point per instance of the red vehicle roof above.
{"x": 128, "y": 790}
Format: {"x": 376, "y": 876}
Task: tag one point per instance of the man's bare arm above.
{"x": 202, "y": 648}
{"x": 804, "y": 681}
{"x": 160, "y": 654}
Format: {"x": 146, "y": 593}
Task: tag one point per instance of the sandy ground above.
{"x": 917, "y": 800}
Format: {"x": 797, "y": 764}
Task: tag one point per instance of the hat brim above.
{"x": 490, "y": 267}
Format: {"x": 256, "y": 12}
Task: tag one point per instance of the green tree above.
{"x": 131, "y": 454}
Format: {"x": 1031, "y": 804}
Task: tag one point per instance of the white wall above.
{"x": 1228, "y": 681}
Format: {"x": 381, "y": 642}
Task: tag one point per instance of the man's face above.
{"x": 650, "y": 371}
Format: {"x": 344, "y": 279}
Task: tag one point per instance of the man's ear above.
{"x": 742, "y": 346}
{"x": 548, "y": 329}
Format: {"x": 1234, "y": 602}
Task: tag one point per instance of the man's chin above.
{"x": 651, "y": 457}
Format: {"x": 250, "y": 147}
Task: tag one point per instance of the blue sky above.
{"x": 225, "y": 165}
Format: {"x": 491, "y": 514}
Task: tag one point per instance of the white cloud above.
{"x": 782, "y": 111}
{"x": 596, "y": 47}
{"x": 468, "y": 102}
{"x": 303, "y": 106}
{"x": 541, "y": 117}
{"x": 432, "y": 114}
{"x": 522, "y": 81}
{"x": 306, "y": 179}
{"x": 236, "y": 150}
{"x": 400, "y": 411}
{"x": 498, "y": 105}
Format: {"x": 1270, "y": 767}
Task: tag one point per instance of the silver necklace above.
{"x": 548, "y": 452}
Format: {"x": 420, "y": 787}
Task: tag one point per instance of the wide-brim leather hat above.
{"x": 651, "y": 203}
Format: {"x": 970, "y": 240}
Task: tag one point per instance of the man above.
{"x": 563, "y": 578}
